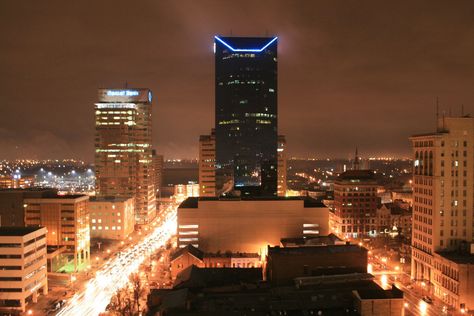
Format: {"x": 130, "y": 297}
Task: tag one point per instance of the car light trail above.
{"x": 114, "y": 274}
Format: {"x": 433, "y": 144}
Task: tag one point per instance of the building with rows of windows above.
{"x": 123, "y": 155}
{"x": 355, "y": 204}
{"x": 66, "y": 218}
{"x": 111, "y": 218}
{"x": 23, "y": 273}
{"x": 443, "y": 209}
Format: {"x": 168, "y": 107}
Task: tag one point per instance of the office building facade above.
{"x": 246, "y": 115}
{"x": 66, "y": 219}
{"x": 158, "y": 163}
{"x": 443, "y": 203}
{"x": 355, "y": 204}
{"x": 123, "y": 154}
{"x": 111, "y": 218}
{"x": 23, "y": 273}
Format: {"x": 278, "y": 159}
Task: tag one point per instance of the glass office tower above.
{"x": 246, "y": 115}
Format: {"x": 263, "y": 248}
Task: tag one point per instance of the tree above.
{"x": 127, "y": 301}
{"x": 138, "y": 291}
{"x": 120, "y": 304}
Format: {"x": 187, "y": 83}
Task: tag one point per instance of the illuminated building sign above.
{"x": 122, "y": 93}
{"x": 255, "y": 50}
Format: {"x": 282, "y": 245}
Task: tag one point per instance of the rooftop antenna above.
{"x": 356, "y": 160}
{"x": 444, "y": 114}
{"x": 437, "y": 112}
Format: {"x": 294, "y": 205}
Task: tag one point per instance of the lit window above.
{"x": 99, "y": 221}
{"x": 118, "y": 214}
{"x": 119, "y": 227}
{"x": 119, "y": 220}
{"x": 100, "y": 227}
{"x": 106, "y": 227}
{"x": 93, "y": 220}
{"x": 113, "y": 227}
{"x": 93, "y": 227}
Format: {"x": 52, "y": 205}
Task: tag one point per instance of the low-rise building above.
{"x": 374, "y": 302}
{"x": 190, "y": 255}
{"x": 248, "y": 224}
{"x": 23, "y": 273}
{"x": 111, "y": 218}
{"x": 453, "y": 278}
{"x": 230, "y": 291}
{"x": 286, "y": 264}
{"x": 391, "y": 218}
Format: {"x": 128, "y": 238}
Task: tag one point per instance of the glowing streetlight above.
{"x": 30, "y": 312}
{"x": 369, "y": 268}
{"x": 423, "y": 307}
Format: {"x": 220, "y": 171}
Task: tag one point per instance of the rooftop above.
{"x": 357, "y": 175}
{"x": 18, "y": 231}
{"x": 194, "y": 277}
{"x": 315, "y": 249}
{"x": 188, "y": 249}
{"x": 370, "y": 294}
{"x": 108, "y": 199}
{"x": 259, "y": 299}
{"x": 199, "y": 254}
{"x": 60, "y": 197}
{"x": 330, "y": 239}
{"x": 459, "y": 257}
{"x": 193, "y": 202}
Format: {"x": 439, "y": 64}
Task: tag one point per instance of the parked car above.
{"x": 427, "y": 299}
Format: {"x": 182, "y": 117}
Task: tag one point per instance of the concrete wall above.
{"x": 247, "y": 226}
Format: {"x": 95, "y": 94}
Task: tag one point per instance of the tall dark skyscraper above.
{"x": 246, "y": 115}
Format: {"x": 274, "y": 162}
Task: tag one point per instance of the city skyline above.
{"x": 338, "y": 77}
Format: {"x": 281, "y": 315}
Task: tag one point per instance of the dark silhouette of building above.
{"x": 246, "y": 115}
{"x": 284, "y": 264}
{"x": 12, "y": 204}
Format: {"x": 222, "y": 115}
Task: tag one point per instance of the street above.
{"x": 114, "y": 274}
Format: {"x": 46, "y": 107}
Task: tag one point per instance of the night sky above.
{"x": 363, "y": 73}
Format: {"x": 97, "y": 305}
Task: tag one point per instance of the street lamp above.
{"x": 73, "y": 279}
